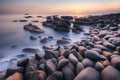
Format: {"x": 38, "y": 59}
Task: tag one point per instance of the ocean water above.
{"x": 12, "y": 33}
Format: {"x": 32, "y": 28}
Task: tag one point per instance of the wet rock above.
{"x": 65, "y": 53}
{"x": 33, "y": 28}
{"x": 61, "y": 57}
{"x": 47, "y": 47}
{"x": 63, "y": 41}
{"x": 33, "y": 38}
{"x": 97, "y": 50}
{"x": 79, "y": 67}
{"x": 116, "y": 62}
{"x": 95, "y": 39}
{"x": 102, "y": 34}
{"x": 67, "y": 18}
{"x": 32, "y": 65}
{"x": 81, "y": 49}
{"x": 28, "y": 16}
{"x": 55, "y": 76}
{"x": 2, "y": 76}
{"x": 73, "y": 59}
{"x": 22, "y": 62}
{"x": 118, "y": 49}
{"x": 42, "y": 61}
{"x": 77, "y": 29}
{"x": 110, "y": 73}
{"x": 50, "y": 67}
{"x": 35, "y": 75}
{"x": 39, "y": 56}
{"x": 108, "y": 45}
{"x": 92, "y": 55}
{"x": 62, "y": 63}
{"x": 35, "y": 21}
{"x": 12, "y": 70}
{"x": 99, "y": 66}
{"x": 15, "y": 76}
{"x": 15, "y": 21}
{"x": 76, "y": 54}
{"x": 44, "y": 40}
{"x": 22, "y": 20}
{"x": 88, "y": 74}
{"x": 114, "y": 28}
{"x": 107, "y": 54}
{"x": 42, "y": 67}
{"x": 49, "y": 54}
{"x": 68, "y": 72}
{"x": 106, "y": 63}
{"x": 87, "y": 62}
{"x": 31, "y": 50}
{"x": 56, "y": 54}
{"x": 101, "y": 47}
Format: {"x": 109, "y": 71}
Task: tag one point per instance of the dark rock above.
{"x": 55, "y": 76}
{"x": 35, "y": 21}
{"x": 49, "y": 54}
{"x": 42, "y": 67}
{"x": 65, "y": 53}
{"x": 50, "y": 67}
{"x": 39, "y": 56}
{"x": 22, "y": 62}
{"x": 31, "y": 50}
{"x": 15, "y": 76}
{"x": 97, "y": 50}
{"x": 87, "y": 62}
{"x": 110, "y": 73}
{"x": 77, "y": 29}
{"x": 73, "y": 59}
{"x": 102, "y": 34}
{"x": 33, "y": 38}
{"x": 100, "y": 47}
{"x": 62, "y": 63}
{"x": 67, "y": 72}
{"x": 76, "y": 54}
{"x": 99, "y": 66}
{"x": 79, "y": 67}
{"x": 22, "y": 20}
{"x": 28, "y": 16}
{"x": 12, "y": 70}
{"x": 42, "y": 61}
{"x": 116, "y": 62}
{"x": 2, "y": 76}
{"x": 118, "y": 49}
{"x": 108, "y": 45}
{"x": 92, "y": 55}
{"x": 63, "y": 41}
{"x": 35, "y": 75}
{"x": 88, "y": 74}
{"x": 67, "y": 18}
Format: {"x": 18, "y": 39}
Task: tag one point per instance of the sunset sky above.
{"x": 59, "y": 6}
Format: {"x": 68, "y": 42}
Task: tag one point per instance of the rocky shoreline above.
{"x": 96, "y": 58}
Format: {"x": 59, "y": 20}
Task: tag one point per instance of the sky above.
{"x": 59, "y": 6}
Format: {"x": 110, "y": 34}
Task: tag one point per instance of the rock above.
{"x": 35, "y": 75}
{"x": 67, "y": 72}
{"x": 33, "y": 28}
{"x": 32, "y": 65}
{"x": 114, "y": 28}
{"x": 107, "y": 54}
{"x": 47, "y": 47}
{"x": 77, "y": 29}
{"x": 101, "y": 47}
{"x": 42, "y": 61}
{"x": 65, "y": 53}
{"x": 22, "y": 62}
{"x": 88, "y": 74}
{"x": 2, "y": 76}
{"x": 62, "y": 63}
{"x": 118, "y": 49}
{"x": 50, "y": 67}
{"x": 115, "y": 61}
{"x": 39, "y": 56}
{"x": 22, "y": 20}
{"x": 81, "y": 49}
{"x": 110, "y": 73}
{"x": 55, "y": 76}
{"x": 97, "y": 50}
{"x": 95, "y": 39}
{"x": 71, "y": 66}
{"x": 108, "y": 45}
{"x": 35, "y": 21}
{"x": 106, "y": 63}
{"x": 67, "y": 18}
{"x": 44, "y": 40}
{"x": 99, "y": 66}
{"x": 56, "y": 54}
{"x": 12, "y": 70}
{"x": 76, "y": 54}
{"x": 28, "y": 16}
{"x": 79, "y": 67}
{"x": 49, "y": 54}
{"x": 61, "y": 57}
{"x": 54, "y": 60}
{"x": 102, "y": 34}
{"x": 15, "y": 76}
{"x": 92, "y": 55}
{"x": 33, "y": 38}
{"x": 31, "y": 50}
{"x": 87, "y": 62}
{"x": 42, "y": 67}
{"x": 73, "y": 59}
{"x": 63, "y": 41}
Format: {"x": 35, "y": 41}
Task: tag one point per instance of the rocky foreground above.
{"x": 96, "y": 58}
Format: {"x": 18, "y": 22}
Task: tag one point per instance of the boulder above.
{"x": 87, "y": 62}
{"x": 92, "y": 55}
{"x": 99, "y": 66}
{"x": 12, "y": 70}
{"x": 55, "y": 76}
{"x": 79, "y": 67}
{"x": 73, "y": 59}
{"x": 68, "y": 74}
{"x": 35, "y": 75}
{"x": 115, "y": 61}
{"x": 81, "y": 50}
{"x": 76, "y": 54}
{"x": 15, "y": 76}
{"x": 110, "y": 73}
{"x": 88, "y": 73}
{"x": 62, "y": 63}
{"x": 50, "y": 67}
{"x": 22, "y": 62}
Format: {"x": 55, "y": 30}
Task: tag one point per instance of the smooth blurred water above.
{"x": 12, "y": 33}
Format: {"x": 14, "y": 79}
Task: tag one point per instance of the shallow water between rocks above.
{"x": 13, "y": 34}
